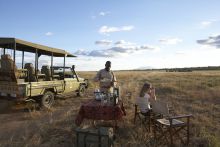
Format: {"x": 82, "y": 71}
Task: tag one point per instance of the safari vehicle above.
{"x": 27, "y": 83}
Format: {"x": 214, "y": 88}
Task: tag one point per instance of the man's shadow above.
{"x": 7, "y": 107}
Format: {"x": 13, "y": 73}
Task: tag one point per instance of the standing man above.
{"x": 106, "y": 78}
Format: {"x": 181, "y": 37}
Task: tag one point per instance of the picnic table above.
{"x": 95, "y": 110}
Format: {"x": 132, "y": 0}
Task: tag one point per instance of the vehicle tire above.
{"x": 81, "y": 91}
{"x": 47, "y": 100}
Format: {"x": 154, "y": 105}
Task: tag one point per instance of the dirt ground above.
{"x": 22, "y": 127}
{"x": 55, "y": 127}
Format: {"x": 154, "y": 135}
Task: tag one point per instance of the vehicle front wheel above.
{"x": 81, "y": 91}
{"x": 47, "y": 100}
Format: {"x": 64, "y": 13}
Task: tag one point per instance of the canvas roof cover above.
{"x": 26, "y": 46}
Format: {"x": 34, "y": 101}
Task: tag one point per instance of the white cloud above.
{"x": 120, "y": 42}
{"x": 101, "y": 14}
{"x": 106, "y": 30}
{"x": 104, "y": 13}
{"x": 81, "y": 52}
{"x": 170, "y": 41}
{"x": 213, "y": 41}
{"x": 194, "y": 57}
{"x": 102, "y": 53}
{"x": 205, "y": 24}
{"x": 132, "y": 47}
{"x": 123, "y": 43}
{"x": 180, "y": 53}
{"x": 149, "y": 47}
{"x": 49, "y": 34}
{"x": 103, "y": 42}
{"x": 121, "y": 48}
{"x": 127, "y": 28}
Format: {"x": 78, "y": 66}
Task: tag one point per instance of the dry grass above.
{"x": 192, "y": 92}
{"x": 188, "y": 92}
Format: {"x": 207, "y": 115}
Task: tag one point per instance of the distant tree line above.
{"x": 190, "y": 69}
{"x": 185, "y": 69}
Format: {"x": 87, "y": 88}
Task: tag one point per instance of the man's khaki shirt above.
{"x": 106, "y": 80}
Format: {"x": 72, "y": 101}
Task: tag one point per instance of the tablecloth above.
{"x": 93, "y": 109}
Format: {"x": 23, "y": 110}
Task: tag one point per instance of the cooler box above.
{"x": 101, "y": 137}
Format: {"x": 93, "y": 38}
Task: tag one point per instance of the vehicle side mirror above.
{"x": 73, "y": 67}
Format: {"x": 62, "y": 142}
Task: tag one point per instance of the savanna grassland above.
{"x": 197, "y": 93}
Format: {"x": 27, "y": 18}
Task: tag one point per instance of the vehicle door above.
{"x": 71, "y": 84}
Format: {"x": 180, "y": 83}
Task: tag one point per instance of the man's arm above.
{"x": 114, "y": 82}
{"x": 114, "y": 77}
{"x": 97, "y": 77}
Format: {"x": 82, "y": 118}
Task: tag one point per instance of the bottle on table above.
{"x": 97, "y": 94}
{"x": 115, "y": 95}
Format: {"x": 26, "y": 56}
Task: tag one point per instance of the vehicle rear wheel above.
{"x": 81, "y": 91}
{"x": 47, "y": 100}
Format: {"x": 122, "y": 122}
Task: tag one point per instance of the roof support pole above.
{"x": 36, "y": 63}
{"x": 64, "y": 66}
{"x": 51, "y": 66}
{"x": 22, "y": 64}
{"x": 4, "y": 51}
{"x": 14, "y": 55}
{"x": 14, "y": 52}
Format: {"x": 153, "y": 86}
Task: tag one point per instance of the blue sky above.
{"x": 131, "y": 34}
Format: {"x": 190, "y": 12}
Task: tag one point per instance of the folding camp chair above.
{"x": 167, "y": 127}
{"x": 145, "y": 120}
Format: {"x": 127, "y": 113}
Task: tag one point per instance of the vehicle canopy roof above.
{"x": 26, "y": 46}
